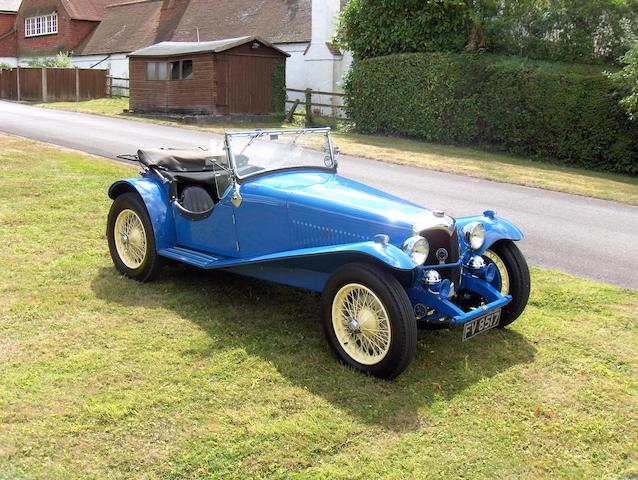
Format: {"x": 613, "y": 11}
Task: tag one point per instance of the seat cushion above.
{"x": 192, "y": 160}
{"x": 196, "y": 199}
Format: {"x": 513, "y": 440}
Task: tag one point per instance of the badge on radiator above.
{"x": 442, "y": 255}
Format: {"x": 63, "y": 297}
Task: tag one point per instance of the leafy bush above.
{"x": 61, "y": 60}
{"x": 4, "y": 66}
{"x": 371, "y": 28}
{"x": 627, "y": 79}
{"x": 570, "y": 114}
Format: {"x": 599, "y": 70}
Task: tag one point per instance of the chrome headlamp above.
{"x": 417, "y": 248}
{"x": 474, "y": 234}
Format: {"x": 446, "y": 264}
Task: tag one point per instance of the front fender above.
{"x": 310, "y": 268}
{"x": 496, "y": 229}
{"x": 154, "y": 194}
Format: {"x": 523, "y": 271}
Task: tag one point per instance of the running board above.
{"x": 192, "y": 257}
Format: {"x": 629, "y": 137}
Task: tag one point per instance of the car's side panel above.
{"x": 155, "y": 196}
{"x": 262, "y": 220}
{"x": 215, "y": 234}
{"x": 311, "y": 267}
{"x": 496, "y": 229}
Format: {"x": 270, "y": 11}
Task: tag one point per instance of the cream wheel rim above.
{"x": 361, "y": 324}
{"x": 502, "y": 270}
{"x": 130, "y": 239}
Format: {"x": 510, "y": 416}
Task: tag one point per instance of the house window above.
{"x": 42, "y": 25}
{"x": 187, "y": 69}
{"x": 156, "y": 71}
{"x": 181, "y": 70}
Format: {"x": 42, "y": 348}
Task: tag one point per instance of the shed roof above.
{"x": 125, "y": 27}
{"x": 171, "y": 49}
{"x": 9, "y": 5}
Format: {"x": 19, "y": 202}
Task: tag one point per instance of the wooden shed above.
{"x": 243, "y": 76}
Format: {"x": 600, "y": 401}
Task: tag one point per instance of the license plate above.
{"x": 481, "y": 324}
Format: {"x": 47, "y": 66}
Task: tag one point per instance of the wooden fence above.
{"x": 117, "y": 87}
{"x": 316, "y": 103}
{"x": 52, "y": 84}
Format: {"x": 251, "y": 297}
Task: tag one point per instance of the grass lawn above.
{"x": 208, "y": 375}
{"x": 466, "y": 161}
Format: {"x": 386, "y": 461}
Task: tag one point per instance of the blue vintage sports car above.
{"x": 270, "y": 204}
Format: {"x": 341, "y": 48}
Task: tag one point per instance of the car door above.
{"x": 215, "y": 234}
{"x": 262, "y": 220}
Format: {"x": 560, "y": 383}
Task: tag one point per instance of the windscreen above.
{"x": 256, "y": 152}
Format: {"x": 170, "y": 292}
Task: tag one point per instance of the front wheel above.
{"x": 131, "y": 239}
{"x": 512, "y": 278}
{"x": 368, "y": 320}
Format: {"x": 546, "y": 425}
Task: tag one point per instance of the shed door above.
{"x": 249, "y": 83}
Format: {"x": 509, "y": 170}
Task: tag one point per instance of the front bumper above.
{"x": 445, "y": 310}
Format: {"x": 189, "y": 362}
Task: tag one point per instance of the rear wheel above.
{"x": 512, "y": 278}
{"x": 368, "y": 320}
{"x": 131, "y": 239}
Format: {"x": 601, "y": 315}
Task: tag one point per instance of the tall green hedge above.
{"x": 278, "y": 99}
{"x": 551, "y": 111}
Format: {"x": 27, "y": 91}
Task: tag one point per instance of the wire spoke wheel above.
{"x": 130, "y": 239}
{"x": 502, "y": 282}
{"x": 361, "y": 324}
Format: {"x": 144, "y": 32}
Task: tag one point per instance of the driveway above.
{"x": 583, "y": 236}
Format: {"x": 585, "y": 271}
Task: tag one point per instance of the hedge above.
{"x": 278, "y": 99}
{"x": 569, "y": 114}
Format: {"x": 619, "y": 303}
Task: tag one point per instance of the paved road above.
{"x": 587, "y": 237}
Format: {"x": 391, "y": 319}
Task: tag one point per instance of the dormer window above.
{"x": 41, "y": 25}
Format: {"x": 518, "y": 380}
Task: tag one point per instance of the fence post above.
{"x": 77, "y": 84}
{"x": 44, "y": 83}
{"x": 309, "y": 120}
{"x": 18, "y": 80}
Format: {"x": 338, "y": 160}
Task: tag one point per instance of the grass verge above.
{"x": 465, "y": 161}
{"x": 208, "y": 375}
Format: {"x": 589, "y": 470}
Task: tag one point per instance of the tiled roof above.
{"x": 276, "y": 21}
{"x": 88, "y": 9}
{"x": 130, "y": 26}
{"x": 9, "y": 5}
{"x": 124, "y": 28}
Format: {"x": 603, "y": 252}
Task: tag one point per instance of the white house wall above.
{"x": 11, "y": 61}
{"x": 116, "y": 63}
{"x": 295, "y": 70}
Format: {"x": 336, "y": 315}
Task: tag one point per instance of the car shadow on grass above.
{"x": 282, "y": 326}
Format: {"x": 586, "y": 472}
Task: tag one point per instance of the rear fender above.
{"x": 496, "y": 229}
{"x": 154, "y": 194}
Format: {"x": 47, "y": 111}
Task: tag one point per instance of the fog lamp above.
{"x": 431, "y": 277}
{"x": 476, "y": 263}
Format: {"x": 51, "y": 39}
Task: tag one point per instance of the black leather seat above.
{"x": 195, "y": 203}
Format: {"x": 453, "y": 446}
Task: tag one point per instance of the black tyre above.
{"x": 513, "y": 278}
{"x": 131, "y": 238}
{"x": 368, "y": 320}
